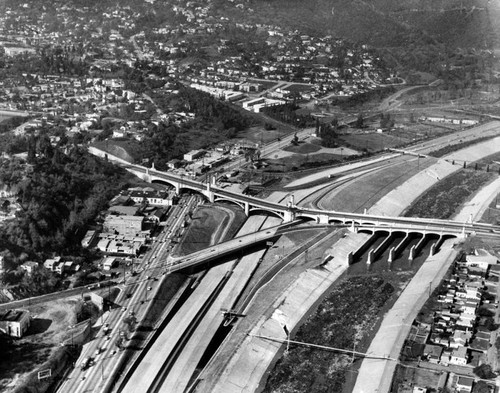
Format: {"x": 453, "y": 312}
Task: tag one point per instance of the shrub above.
{"x": 484, "y": 371}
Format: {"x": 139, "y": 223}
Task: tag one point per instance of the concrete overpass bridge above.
{"x": 431, "y": 233}
{"x": 290, "y": 212}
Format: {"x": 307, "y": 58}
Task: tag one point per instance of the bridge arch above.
{"x": 221, "y": 199}
{"x": 269, "y": 212}
{"x": 335, "y": 221}
{"x": 164, "y": 182}
{"x": 312, "y": 217}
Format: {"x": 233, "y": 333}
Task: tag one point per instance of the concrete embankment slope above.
{"x": 396, "y": 201}
{"x": 245, "y": 371}
{"x": 376, "y": 375}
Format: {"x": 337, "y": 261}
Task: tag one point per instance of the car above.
{"x": 124, "y": 309}
{"x": 85, "y": 363}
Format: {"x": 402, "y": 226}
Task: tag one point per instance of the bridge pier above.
{"x": 247, "y": 209}
{"x": 420, "y": 244}
{"x": 370, "y": 258}
{"x": 402, "y": 244}
{"x": 350, "y": 258}
{"x": 411, "y": 255}
{"x": 322, "y": 219}
{"x": 432, "y": 250}
{"x": 289, "y": 216}
{"x": 382, "y": 247}
{"x": 391, "y": 255}
{"x": 353, "y": 228}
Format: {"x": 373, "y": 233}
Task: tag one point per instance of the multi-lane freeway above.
{"x": 105, "y": 358}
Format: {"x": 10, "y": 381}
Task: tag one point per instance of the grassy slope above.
{"x": 444, "y": 198}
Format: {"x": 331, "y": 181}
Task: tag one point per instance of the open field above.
{"x": 207, "y": 227}
{"x": 303, "y": 148}
{"x": 407, "y": 377}
{"x": 299, "y": 88}
{"x": 370, "y": 142}
{"x": 265, "y": 84}
{"x": 127, "y": 150}
{"x": 21, "y": 357}
{"x": 258, "y": 134}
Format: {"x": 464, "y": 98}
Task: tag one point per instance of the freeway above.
{"x": 107, "y": 358}
{"x": 169, "y": 365}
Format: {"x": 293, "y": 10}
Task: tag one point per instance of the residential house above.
{"x": 459, "y": 356}
{"x": 460, "y": 339}
{"x": 29, "y": 267}
{"x": 50, "y": 264}
{"x": 481, "y": 259}
{"x": 464, "y": 384}
{"x": 14, "y": 322}
{"x": 433, "y": 353}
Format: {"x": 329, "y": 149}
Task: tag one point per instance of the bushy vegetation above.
{"x": 11, "y": 123}
{"x": 59, "y": 195}
{"x": 215, "y": 121}
{"x": 354, "y": 303}
{"x": 451, "y": 148}
{"x": 484, "y": 371}
{"x": 287, "y": 114}
{"x": 443, "y": 199}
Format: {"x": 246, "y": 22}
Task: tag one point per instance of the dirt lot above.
{"x": 48, "y": 329}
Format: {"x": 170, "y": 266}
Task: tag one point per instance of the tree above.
{"x": 481, "y": 387}
{"x": 359, "y": 121}
{"x": 484, "y": 371}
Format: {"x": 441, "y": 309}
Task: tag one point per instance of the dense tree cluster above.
{"x": 59, "y": 195}
{"x": 328, "y": 133}
{"x": 386, "y": 121}
{"x": 222, "y": 115}
{"x": 287, "y": 113}
{"x": 11, "y": 123}
{"x": 214, "y": 121}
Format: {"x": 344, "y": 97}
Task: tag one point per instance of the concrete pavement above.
{"x": 248, "y": 365}
{"x": 396, "y": 201}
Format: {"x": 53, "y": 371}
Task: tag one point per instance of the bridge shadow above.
{"x": 219, "y": 260}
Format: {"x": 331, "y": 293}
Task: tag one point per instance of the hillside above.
{"x": 389, "y": 23}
